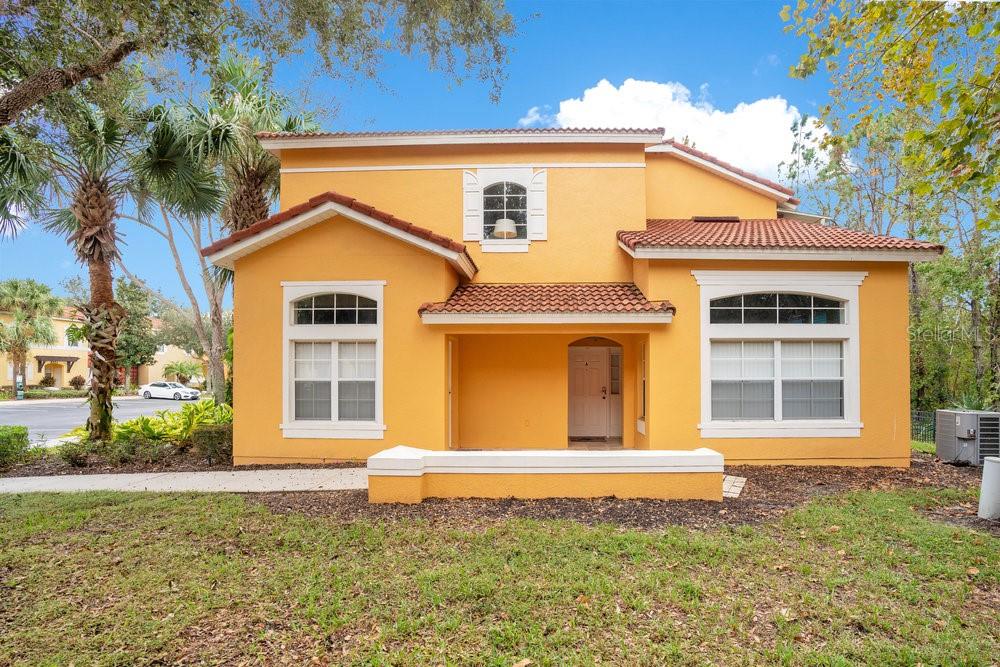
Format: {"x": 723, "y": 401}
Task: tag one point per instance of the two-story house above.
{"x": 559, "y": 288}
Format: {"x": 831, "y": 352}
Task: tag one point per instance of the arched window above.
{"x": 505, "y": 211}
{"x": 336, "y": 309}
{"x": 333, "y": 360}
{"x": 776, "y": 308}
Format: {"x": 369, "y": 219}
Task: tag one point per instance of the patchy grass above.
{"x": 923, "y": 447}
{"x": 122, "y": 579}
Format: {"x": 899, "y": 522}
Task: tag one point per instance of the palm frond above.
{"x": 60, "y": 221}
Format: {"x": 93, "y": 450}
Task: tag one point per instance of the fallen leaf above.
{"x": 833, "y": 529}
{"x": 973, "y": 571}
{"x": 522, "y": 663}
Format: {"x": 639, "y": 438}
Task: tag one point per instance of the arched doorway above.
{"x": 595, "y": 392}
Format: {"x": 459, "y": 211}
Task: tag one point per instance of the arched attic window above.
{"x": 505, "y": 211}
{"x": 336, "y": 308}
{"x": 776, "y": 308}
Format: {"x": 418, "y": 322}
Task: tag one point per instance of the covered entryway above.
{"x": 595, "y": 393}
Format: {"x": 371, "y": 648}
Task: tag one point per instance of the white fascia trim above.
{"x": 777, "y": 195}
{"x": 412, "y": 462}
{"x": 783, "y": 429}
{"x": 450, "y": 167}
{"x": 546, "y": 318}
{"x": 334, "y": 431}
{"x": 797, "y": 254}
{"x": 227, "y": 256}
{"x": 460, "y": 138}
{"x": 779, "y": 279}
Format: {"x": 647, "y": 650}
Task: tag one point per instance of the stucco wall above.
{"x": 676, "y": 189}
{"x": 414, "y": 376}
{"x": 675, "y": 376}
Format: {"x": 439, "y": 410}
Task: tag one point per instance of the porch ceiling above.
{"x": 547, "y": 303}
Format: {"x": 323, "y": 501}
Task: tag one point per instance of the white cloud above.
{"x": 755, "y": 136}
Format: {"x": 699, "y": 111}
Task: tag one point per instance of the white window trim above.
{"x": 332, "y": 333}
{"x": 535, "y": 182}
{"x": 841, "y": 285}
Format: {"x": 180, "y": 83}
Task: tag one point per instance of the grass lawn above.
{"x": 923, "y": 447}
{"x": 136, "y": 579}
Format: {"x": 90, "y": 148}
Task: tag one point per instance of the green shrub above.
{"x": 183, "y": 423}
{"x": 136, "y": 448}
{"x": 14, "y": 445}
{"x": 214, "y": 442}
{"x": 47, "y": 381}
{"x": 58, "y": 393}
{"x": 75, "y": 452}
{"x": 77, "y": 382}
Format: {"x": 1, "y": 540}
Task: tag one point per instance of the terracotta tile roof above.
{"x": 547, "y": 298}
{"x": 336, "y": 198}
{"x": 498, "y": 131}
{"x": 768, "y": 233}
{"x": 729, "y": 167}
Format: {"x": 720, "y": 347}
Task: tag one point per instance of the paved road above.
{"x": 51, "y": 418}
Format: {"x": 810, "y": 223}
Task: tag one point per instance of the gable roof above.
{"x": 546, "y": 303}
{"x": 545, "y": 135}
{"x": 225, "y": 251}
{"x": 782, "y": 237}
{"x": 699, "y": 158}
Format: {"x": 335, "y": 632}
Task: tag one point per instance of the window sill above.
{"x": 504, "y": 245}
{"x": 334, "y": 430}
{"x": 784, "y": 429}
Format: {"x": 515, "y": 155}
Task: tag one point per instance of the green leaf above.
{"x": 786, "y": 13}
{"x": 975, "y": 29}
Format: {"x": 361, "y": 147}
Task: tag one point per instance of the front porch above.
{"x": 410, "y": 475}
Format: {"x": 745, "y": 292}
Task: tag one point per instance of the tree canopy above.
{"x": 938, "y": 60}
{"x": 49, "y": 46}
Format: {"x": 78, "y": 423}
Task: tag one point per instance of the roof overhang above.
{"x": 647, "y": 137}
{"x": 783, "y": 254}
{"x": 666, "y": 149}
{"x": 547, "y": 318}
{"x": 227, "y": 256}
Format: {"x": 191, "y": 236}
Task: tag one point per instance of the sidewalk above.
{"x": 10, "y": 403}
{"x": 239, "y": 481}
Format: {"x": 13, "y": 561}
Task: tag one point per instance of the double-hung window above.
{"x": 778, "y": 360}
{"x": 333, "y": 341}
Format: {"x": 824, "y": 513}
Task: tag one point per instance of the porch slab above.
{"x": 409, "y": 475}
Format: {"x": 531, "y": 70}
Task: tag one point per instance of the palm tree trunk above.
{"x": 104, "y": 317}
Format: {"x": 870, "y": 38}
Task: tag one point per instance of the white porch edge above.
{"x": 460, "y": 138}
{"x": 402, "y": 461}
{"x": 453, "y": 167}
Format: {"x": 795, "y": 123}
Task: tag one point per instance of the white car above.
{"x": 174, "y": 390}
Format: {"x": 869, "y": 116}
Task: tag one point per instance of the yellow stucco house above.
{"x": 66, "y": 359}
{"x": 62, "y": 360}
{"x": 559, "y": 289}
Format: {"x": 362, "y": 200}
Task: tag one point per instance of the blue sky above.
{"x": 715, "y": 71}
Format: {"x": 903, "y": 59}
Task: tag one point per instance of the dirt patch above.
{"x": 770, "y": 492}
{"x": 965, "y": 515}
{"x": 50, "y": 464}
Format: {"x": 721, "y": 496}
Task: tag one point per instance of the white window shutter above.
{"x": 472, "y": 205}
{"x": 537, "y": 207}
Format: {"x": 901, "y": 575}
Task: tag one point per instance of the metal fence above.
{"x": 922, "y": 426}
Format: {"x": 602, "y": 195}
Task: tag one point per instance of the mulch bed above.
{"x": 51, "y": 464}
{"x": 770, "y": 492}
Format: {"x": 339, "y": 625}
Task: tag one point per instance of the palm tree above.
{"x": 94, "y": 166}
{"x": 241, "y": 104}
{"x": 182, "y": 370}
{"x": 22, "y": 180}
{"x": 31, "y": 306}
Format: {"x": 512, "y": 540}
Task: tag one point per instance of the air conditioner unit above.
{"x": 966, "y": 436}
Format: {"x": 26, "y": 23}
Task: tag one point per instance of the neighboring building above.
{"x": 64, "y": 359}
{"x": 546, "y": 289}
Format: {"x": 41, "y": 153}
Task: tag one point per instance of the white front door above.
{"x": 588, "y": 392}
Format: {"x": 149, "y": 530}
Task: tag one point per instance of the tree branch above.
{"x": 43, "y": 83}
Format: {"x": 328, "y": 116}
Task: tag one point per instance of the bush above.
{"x": 58, "y": 393}
{"x": 75, "y": 452}
{"x": 47, "y": 381}
{"x": 14, "y": 445}
{"x": 77, "y": 382}
{"x": 214, "y": 442}
{"x": 123, "y": 450}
